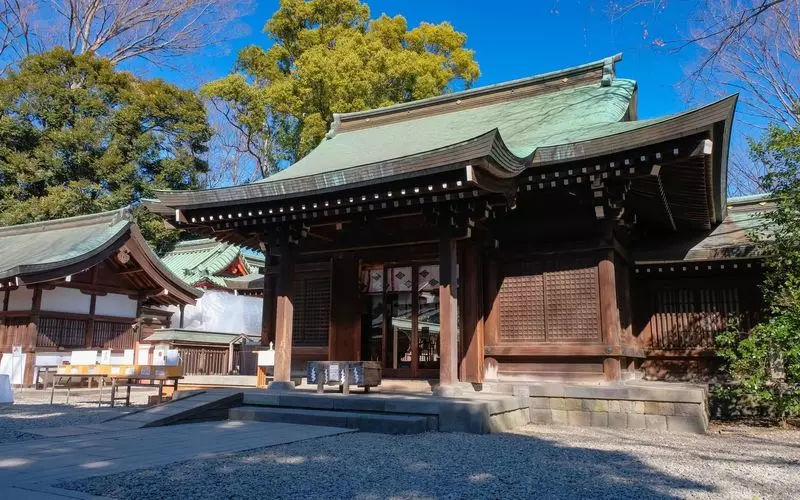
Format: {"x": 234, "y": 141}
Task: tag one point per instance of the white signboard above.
{"x": 50, "y": 359}
{"x": 172, "y": 357}
{"x": 16, "y": 351}
{"x": 127, "y": 357}
{"x": 160, "y": 355}
{"x": 144, "y": 356}
{"x": 83, "y": 358}
{"x": 266, "y": 358}
{"x": 105, "y": 357}
{"x": 13, "y": 367}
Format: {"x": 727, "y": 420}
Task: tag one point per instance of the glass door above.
{"x": 400, "y": 319}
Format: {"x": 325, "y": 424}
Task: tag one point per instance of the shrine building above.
{"x": 534, "y": 230}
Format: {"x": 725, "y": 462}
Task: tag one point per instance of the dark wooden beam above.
{"x": 566, "y": 350}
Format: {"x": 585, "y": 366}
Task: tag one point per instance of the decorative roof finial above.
{"x": 608, "y": 72}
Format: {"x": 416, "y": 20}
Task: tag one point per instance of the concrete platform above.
{"x": 636, "y": 404}
{"x": 478, "y": 413}
{"x": 381, "y": 423}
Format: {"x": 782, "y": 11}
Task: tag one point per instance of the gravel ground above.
{"x": 32, "y": 409}
{"x": 534, "y": 461}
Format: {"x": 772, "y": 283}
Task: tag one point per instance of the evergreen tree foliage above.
{"x": 329, "y": 57}
{"x": 77, "y": 137}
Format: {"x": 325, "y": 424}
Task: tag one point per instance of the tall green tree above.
{"x": 329, "y": 57}
{"x": 77, "y": 136}
{"x": 766, "y": 361}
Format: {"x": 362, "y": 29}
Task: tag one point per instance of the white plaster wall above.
{"x": 114, "y": 304}
{"x": 20, "y": 299}
{"x": 68, "y": 300}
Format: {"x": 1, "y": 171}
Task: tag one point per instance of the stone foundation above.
{"x": 632, "y": 405}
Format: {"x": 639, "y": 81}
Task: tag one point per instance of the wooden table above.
{"x": 131, "y": 380}
{"x": 101, "y": 381}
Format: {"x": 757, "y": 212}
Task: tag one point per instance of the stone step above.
{"x": 363, "y": 421}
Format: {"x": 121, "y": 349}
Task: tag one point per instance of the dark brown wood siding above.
{"x": 549, "y": 301}
{"x": 312, "y": 308}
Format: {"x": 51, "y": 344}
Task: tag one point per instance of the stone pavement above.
{"x": 31, "y": 468}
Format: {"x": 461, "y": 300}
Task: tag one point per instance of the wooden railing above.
{"x": 204, "y": 360}
{"x": 214, "y": 360}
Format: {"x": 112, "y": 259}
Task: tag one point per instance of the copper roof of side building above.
{"x": 56, "y": 249}
{"x": 206, "y": 262}
{"x": 731, "y": 240}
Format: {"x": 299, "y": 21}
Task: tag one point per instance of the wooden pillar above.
{"x": 491, "y": 327}
{"x": 6, "y": 299}
{"x": 472, "y": 316}
{"x": 344, "y": 330}
{"x": 87, "y": 339}
{"x": 181, "y": 308}
{"x": 448, "y": 317}
{"x": 29, "y": 346}
{"x": 609, "y": 314}
{"x": 284, "y": 314}
{"x": 269, "y": 304}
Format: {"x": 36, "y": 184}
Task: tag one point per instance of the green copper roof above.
{"x": 570, "y": 115}
{"x": 41, "y": 246}
{"x": 730, "y": 240}
{"x": 198, "y": 261}
{"x": 499, "y": 132}
{"x": 198, "y": 337}
{"x": 55, "y": 249}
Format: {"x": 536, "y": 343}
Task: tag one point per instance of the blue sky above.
{"x": 518, "y": 38}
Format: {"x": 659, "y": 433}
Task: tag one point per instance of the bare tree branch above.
{"x": 747, "y": 46}
{"x": 119, "y": 30}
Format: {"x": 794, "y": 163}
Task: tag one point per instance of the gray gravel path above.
{"x": 32, "y": 409}
{"x": 540, "y": 462}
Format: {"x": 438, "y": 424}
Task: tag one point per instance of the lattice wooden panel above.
{"x": 61, "y": 332}
{"x": 522, "y": 304}
{"x": 572, "y": 304}
{"x": 113, "y": 335}
{"x": 312, "y": 307}
{"x": 686, "y": 318}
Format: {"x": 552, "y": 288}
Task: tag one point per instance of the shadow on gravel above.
{"x": 430, "y": 465}
{"x": 15, "y": 419}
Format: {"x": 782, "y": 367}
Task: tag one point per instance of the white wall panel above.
{"x": 20, "y": 299}
{"x": 68, "y": 300}
{"x": 115, "y": 304}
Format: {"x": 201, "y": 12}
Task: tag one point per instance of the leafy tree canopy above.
{"x": 779, "y": 152}
{"x": 329, "y": 57}
{"x": 766, "y": 361}
{"x": 78, "y": 137}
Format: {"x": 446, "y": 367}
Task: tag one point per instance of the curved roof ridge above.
{"x": 110, "y": 217}
{"x": 606, "y": 64}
